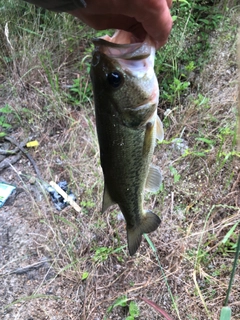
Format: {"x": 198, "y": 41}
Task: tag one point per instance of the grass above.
{"x": 46, "y": 95}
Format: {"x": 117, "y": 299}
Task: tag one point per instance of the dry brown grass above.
{"x": 197, "y": 211}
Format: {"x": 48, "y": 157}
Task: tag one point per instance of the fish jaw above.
{"x": 124, "y": 45}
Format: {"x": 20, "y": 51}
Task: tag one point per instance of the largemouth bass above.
{"x": 126, "y": 96}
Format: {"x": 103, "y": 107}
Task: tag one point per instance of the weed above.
{"x": 184, "y": 54}
{"x": 176, "y": 175}
{"x": 85, "y": 275}
{"x": 86, "y": 205}
{"x": 133, "y": 311}
{"x": 201, "y": 101}
{"x": 101, "y": 254}
{"x": 132, "y": 307}
{"x": 79, "y": 94}
{"x": 121, "y": 301}
{"x": 229, "y": 242}
{"x": 176, "y": 89}
{"x": 4, "y": 123}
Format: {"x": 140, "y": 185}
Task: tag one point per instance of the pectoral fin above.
{"x": 148, "y": 139}
{"x": 159, "y": 129}
{"x": 107, "y": 200}
{"x": 154, "y": 179}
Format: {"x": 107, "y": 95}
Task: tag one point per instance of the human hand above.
{"x": 139, "y": 17}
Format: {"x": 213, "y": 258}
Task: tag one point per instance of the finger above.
{"x": 109, "y": 21}
{"x": 169, "y": 3}
{"x": 154, "y": 19}
{"x": 157, "y": 22}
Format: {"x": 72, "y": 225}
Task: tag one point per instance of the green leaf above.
{"x": 102, "y": 254}
{"x": 229, "y": 233}
{"x": 6, "y": 109}
{"x": 225, "y": 313}
{"x": 85, "y": 275}
{"x": 122, "y": 302}
{"x": 176, "y": 175}
{"x": 133, "y": 309}
{"x": 6, "y": 125}
{"x": 119, "y": 302}
{"x": 130, "y": 318}
{"x": 208, "y": 141}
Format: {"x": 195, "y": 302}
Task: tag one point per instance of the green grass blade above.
{"x": 229, "y": 233}
{"x": 225, "y": 313}
{"x": 233, "y": 271}
{"x": 163, "y": 273}
{"x": 29, "y": 298}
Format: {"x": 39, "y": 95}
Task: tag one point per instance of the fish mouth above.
{"x": 123, "y": 45}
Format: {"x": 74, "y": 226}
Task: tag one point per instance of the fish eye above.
{"x": 115, "y": 79}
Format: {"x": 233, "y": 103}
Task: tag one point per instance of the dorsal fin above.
{"x": 154, "y": 179}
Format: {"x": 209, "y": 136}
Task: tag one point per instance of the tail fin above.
{"x": 149, "y": 223}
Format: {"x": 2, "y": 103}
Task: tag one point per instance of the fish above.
{"x": 126, "y": 94}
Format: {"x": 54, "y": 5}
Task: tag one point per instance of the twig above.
{"x": 9, "y": 152}
{"x": 20, "y": 147}
{"x": 30, "y": 267}
{"x": 7, "y": 162}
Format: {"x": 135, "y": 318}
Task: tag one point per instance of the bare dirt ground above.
{"x": 44, "y": 253}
